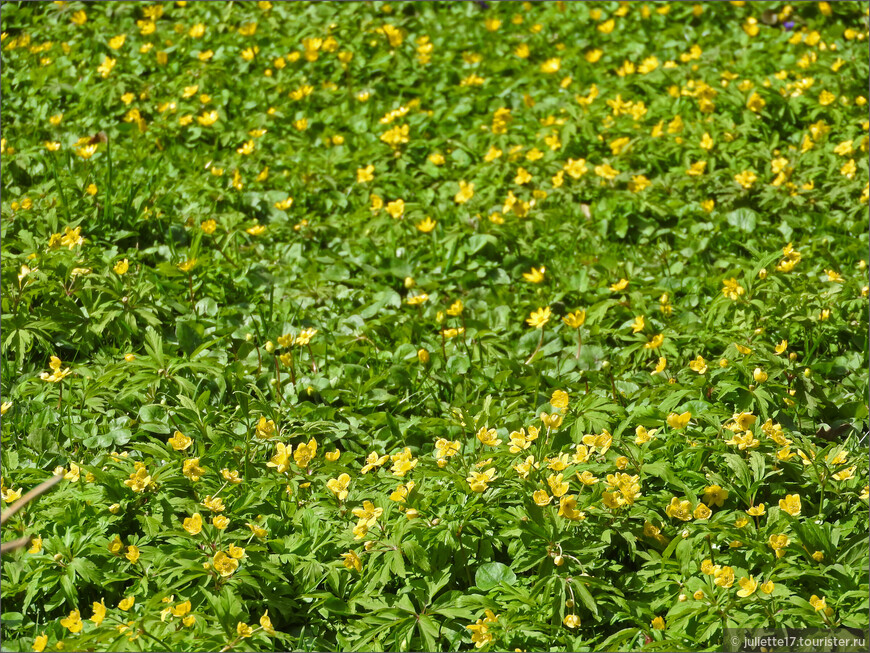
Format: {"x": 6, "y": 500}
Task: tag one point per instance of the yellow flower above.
{"x": 732, "y": 289}
{"x": 655, "y": 342}
{"x": 73, "y": 622}
{"x": 191, "y": 469}
{"x": 305, "y": 453}
{"x": 724, "y": 577}
{"x": 848, "y": 170}
{"x": 535, "y": 275}
{"x": 575, "y": 168}
{"x": 746, "y": 178}
{"x": 365, "y": 174}
{"x": 479, "y": 480}
{"x": 658, "y": 623}
{"x": 541, "y": 498}
{"x": 676, "y": 421}
{"x": 745, "y": 441}
{"x": 660, "y": 365}
{"x": 538, "y": 319}
{"x": 116, "y": 545}
{"x": 818, "y": 603}
{"x": 266, "y": 624}
{"x": 396, "y": 208}
{"x": 208, "y": 118}
{"x": 258, "y": 531}
{"x": 352, "y": 561}
{"x": 179, "y": 441}
{"x": 523, "y": 176}
{"x": 35, "y": 545}
{"x": 231, "y": 476}
{"x": 466, "y": 192}
{"x": 338, "y": 486}
{"x": 57, "y": 374}
{"x": 698, "y": 365}
{"x": 559, "y": 399}
{"x": 553, "y": 421}
{"x": 747, "y": 586}
{"x": 715, "y": 495}
{"x": 568, "y": 508}
{"x": 132, "y": 554}
{"x": 224, "y": 564}
{"x": 768, "y": 587}
{"x": 606, "y": 171}
{"x": 372, "y": 461}
{"x": 193, "y": 525}
{"x": 620, "y": 285}
{"x": 127, "y": 603}
{"x": 702, "y": 512}
{"x": 755, "y": 103}
{"x": 220, "y": 522}
{"x": 99, "y": 612}
{"x": 756, "y": 511}
{"x": 638, "y": 324}
{"x": 105, "y": 68}
{"x": 679, "y": 509}
{"x": 826, "y": 98}
{"x": 845, "y": 475}
{"x": 400, "y": 494}
{"x": 427, "y": 225}
{"x": 557, "y": 486}
{"x": 187, "y": 265}
{"x": 551, "y": 65}
{"x": 607, "y": 26}
{"x": 576, "y": 319}
{"x": 638, "y": 183}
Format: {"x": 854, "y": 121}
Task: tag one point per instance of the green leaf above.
{"x": 491, "y": 574}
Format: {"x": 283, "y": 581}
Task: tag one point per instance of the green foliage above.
{"x": 433, "y": 326}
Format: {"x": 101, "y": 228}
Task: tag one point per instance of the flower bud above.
{"x": 558, "y": 561}
{"x": 423, "y": 356}
{"x": 569, "y": 603}
{"x": 808, "y": 372}
{"x": 115, "y": 508}
{"x": 412, "y": 514}
{"x": 249, "y": 337}
{"x": 409, "y": 282}
{"x": 792, "y": 356}
{"x": 270, "y": 346}
{"x": 762, "y": 273}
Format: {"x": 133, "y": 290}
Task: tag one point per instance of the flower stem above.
{"x": 538, "y": 348}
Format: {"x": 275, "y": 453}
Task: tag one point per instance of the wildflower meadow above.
{"x": 368, "y": 326}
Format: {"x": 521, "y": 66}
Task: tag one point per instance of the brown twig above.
{"x": 30, "y": 496}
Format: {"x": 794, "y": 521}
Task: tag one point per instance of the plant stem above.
{"x": 538, "y": 348}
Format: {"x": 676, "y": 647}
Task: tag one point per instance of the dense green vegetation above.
{"x": 433, "y": 326}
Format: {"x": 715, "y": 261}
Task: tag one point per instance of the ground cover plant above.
{"x": 433, "y": 326}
